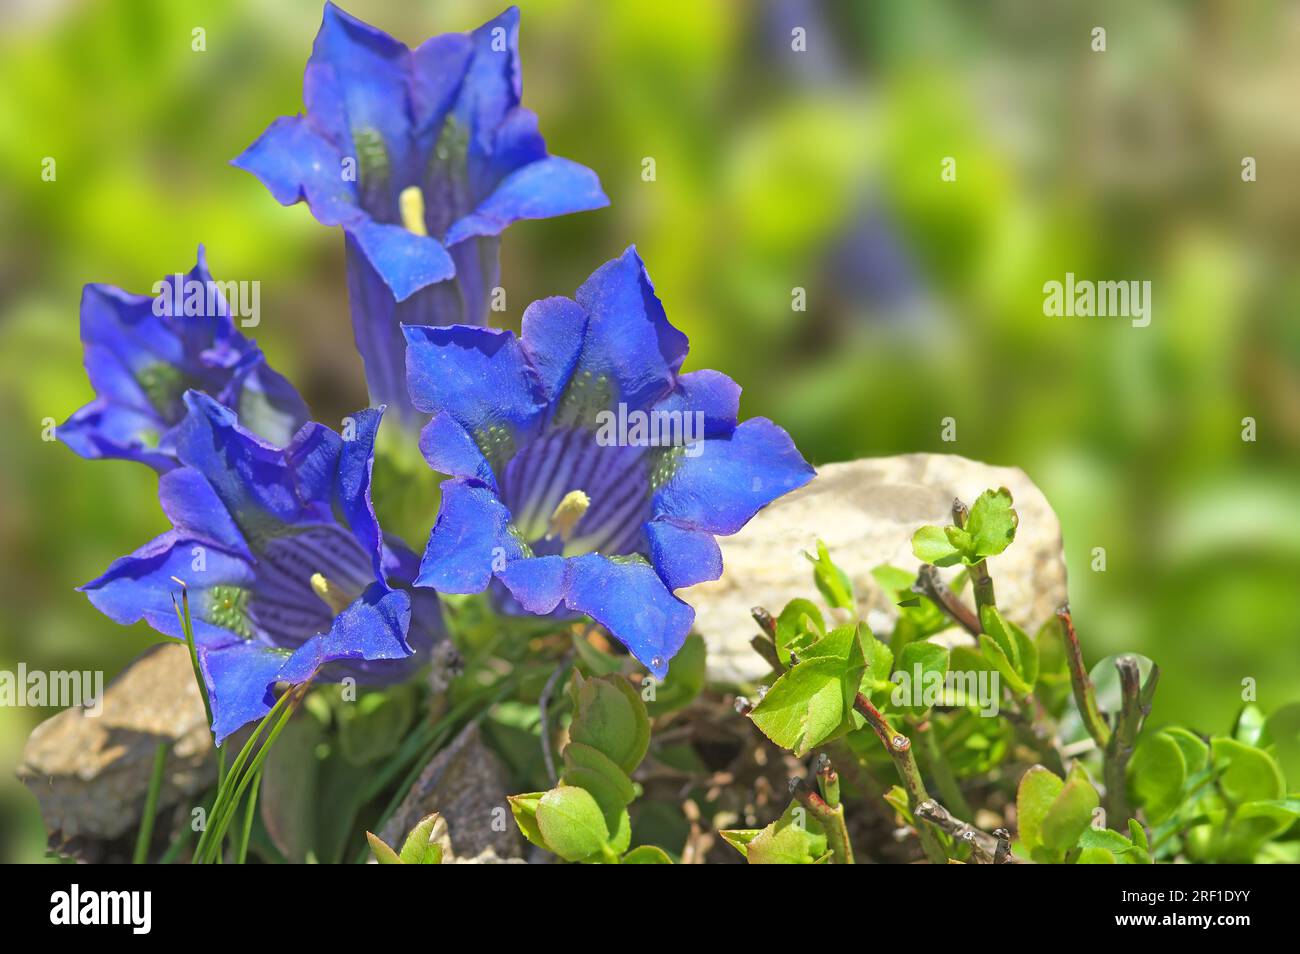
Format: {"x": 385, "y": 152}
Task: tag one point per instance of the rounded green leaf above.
{"x": 992, "y": 523}
{"x": 589, "y": 768}
{"x": 931, "y": 545}
{"x": 1071, "y": 812}
{"x": 1156, "y": 774}
{"x": 1095, "y": 856}
{"x": 571, "y": 823}
{"x": 1247, "y": 774}
{"x": 647, "y": 855}
{"x": 610, "y": 716}
{"x": 1034, "y": 798}
{"x": 1196, "y": 751}
{"x": 1282, "y": 731}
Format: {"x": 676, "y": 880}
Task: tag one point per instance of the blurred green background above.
{"x": 774, "y": 169}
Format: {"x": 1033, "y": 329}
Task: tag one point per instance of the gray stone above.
{"x": 866, "y": 512}
{"x": 466, "y": 783}
{"x": 90, "y": 773}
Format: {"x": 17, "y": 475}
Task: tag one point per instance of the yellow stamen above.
{"x": 329, "y": 593}
{"x": 568, "y": 513}
{"x": 411, "y": 202}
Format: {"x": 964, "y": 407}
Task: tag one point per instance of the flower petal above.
{"x": 629, "y": 339}
{"x": 477, "y": 375}
{"x": 683, "y": 557}
{"x": 470, "y": 539}
{"x": 404, "y": 261}
{"x": 450, "y": 450}
{"x": 536, "y": 583}
{"x": 240, "y": 678}
{"x": 296, "y": 163}
{"x": 540, "y": 190}
{"x": 629, "y": 599}
{"x": 732, "y": 478}
{"x": 104, "y": 429}
{"x": 141, "y": 585}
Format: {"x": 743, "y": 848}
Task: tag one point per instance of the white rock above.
{"x": 866, "y": 512}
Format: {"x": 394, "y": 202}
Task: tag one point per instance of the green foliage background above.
{"x": 774, "y": 169}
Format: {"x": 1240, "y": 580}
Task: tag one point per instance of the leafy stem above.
{"x": 899, "y": 748}
{"x": 981, "y": 581}
{"x": 831, "y": 818}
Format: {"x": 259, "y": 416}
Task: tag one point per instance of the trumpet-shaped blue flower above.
{"x": 424, "y": 157}
{"x": 283, "y": 559}
{"x": 586, "y": 471}
{"x": 142, "y": 354}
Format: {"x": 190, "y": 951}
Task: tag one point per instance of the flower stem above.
{"x": 145, "y": 834}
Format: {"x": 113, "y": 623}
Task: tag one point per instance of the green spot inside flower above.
{"x": 585, "y": 396}
{"x": 447, "y": 178}
{"x": 228, "y": 608}
{"x": 662, "y": 470}
{"x": 372, "y": 165}
{"x": 163, "y": 384}
{"x": 496, "y": 443}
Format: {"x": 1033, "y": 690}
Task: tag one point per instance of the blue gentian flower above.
{"x": 282, "y": 557}
{"x": 586, "y": 471}
{"x": 142, "y": 354}
{"x": 423, "y": 157}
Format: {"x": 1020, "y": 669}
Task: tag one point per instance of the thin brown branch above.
{"x": 1085, "y": 694}
{"x": 985, "y": 848}
{"x": 929, "y": 585}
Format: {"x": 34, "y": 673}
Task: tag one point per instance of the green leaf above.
{"x": 920, "y": 666}
{"x": 571, "y": 823}
{"x": 1196, "y": 752}
{"x": 804, "y": 706}
{"x": 991, "y": 524}
{"x": 524, "y": 810}
{"x": 832, "y": 582}
{"x": 1282, "y": 731}
{"x": 1034, "y": 798}
{"x": 1249, "y": 724}
{"x": 879, "y": 665}
{"x": 374, "y": 726}
{"x": 996, "y": 655}
{"x": 931, "y": 545}
{"x": 1247, "y": 774}
{"x": 1120, "y": 848}
{"x": 1156, "y": 775}
{"x": 647, "y": 855}
{"x": 588, "y": 767}
{"x": 383, "y": 854}
{"x": 1017, "y": 648}
{"x": 793, "y": 839}
{"x": 685, "y": 679}
{"x": 1069, "y": 815}
{"x": 813, "y": 701}
{"x": 739, "y": 838}
{"x": 610, "y": 716}
{"x": 798, "y": 627}
{"x": 1095, "y": 856}
{"x": 420, "y": 848}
